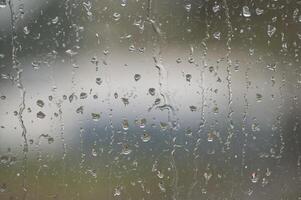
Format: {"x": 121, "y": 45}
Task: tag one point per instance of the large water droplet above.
{"x": 145, "y": 137}
{"x": 3, "y": 3}
{"x": 246, "y": 11}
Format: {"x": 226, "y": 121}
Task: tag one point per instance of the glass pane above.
{"x": 150, "y": 99}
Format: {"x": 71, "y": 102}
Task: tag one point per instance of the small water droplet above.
{"x": 192, "y": 108}
{"x": 116, "y": 16}
{"x": 123, "y": 3}
{"x": 41, "y": 115}
{"x": 132, "y": 48}
{"x": 126, "y": 150}
{"x": 35, "y": 65}
{"x": 152, "y": 91}
{"x": 216, "y": 8}
{"x": 161, "y": 186}
{"x": 188, "y": 77}
{"x": 254, "y": 177}
{"x": 98, "y": 81}
{"x": 259, "y": 11}
{"x": 125, "y": 101}
{"x": 95, "y": 116}
{"x": 217, "y": 35}
{"x": 188, "y": 7}
{"x": 259, "y": 97}
{"x": 94, "y": 153}
{"x": 210, "y": 137}
{"x": 115, "y": 95}
{"x": 80, "y": 110}
{"x": 137, "y": 77}
{"x": 40, "y": 103}
{"x": 271, "y": 30}
{"x": 55, "y": 20}
{"x": 26, "y": 30}
{"x": 83, "y": 95}
{"x": 117, "y": 192}
{"x": 125, "y": 125}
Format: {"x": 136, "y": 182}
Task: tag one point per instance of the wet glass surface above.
{"x": 150, "y": 99}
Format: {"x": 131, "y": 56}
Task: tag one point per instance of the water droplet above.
{"x": 137, "y": 77}
{"x": 217, "y": 35}
{"x": 161, "y": 186}
{"x": 259, "y": 11}
{"x": 50, "y": 140}
{"x": 116, "y": 16}
{"x": 35, "y": 65}
{"x": 179, "y": 60}
{"x": 26, "y": 30}
{"x": 123, "y": 3}
{"x": 98, "y": 81}
{"x": 41, "y": 115}
{"x": 210, "y": 137}
{"x": 126, "y": 150}
{"x": 95, "y": 116}
{"x": 94, "y": 153}
{"x": 163, "y": 126}
{"x": 4, "y": 159}
{"x": 259, "y": 97}
{"x": 132, "y": 48}
{"x": 246, "y": 11}
{"x": 157, "y": 101}
{"x": 70, "y": 52}
{"x": 188, "y": 7}
{"x": 80, "y": 110}
{"x": 145, "y": 137}
{"x": 83, "y": 95}
{"x": 216, "y": 8}
{"x": 125, "y": 125}
{"x": 192, "y": 108}
{"x": 40, "y": 103}
{"x": 125, "y": 101}
{"x": 188, "y": 77}
{"x": 271, "y": 30}
{"x": 142, "y": 123}
{"x": 160, "y": 174}
{"x": 117, "y": 192}
{"x": 3, "y": 3}
{"x": 254, "y": 177}
{"x": 152, "y": 91}
{"x": 55, "y": 20}
{"x": 115, "y": 95}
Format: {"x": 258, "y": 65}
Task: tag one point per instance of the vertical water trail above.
{"x": 18, "y": 81}
{"x": 244, "y": 121}
{"x": 280, "y": 116}
{"x": 163, "y": 90}
{"x": 229, "y": 78}
{"x": 203, "y": 120}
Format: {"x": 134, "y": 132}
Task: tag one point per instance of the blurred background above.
{"x": 149, "y": 99}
